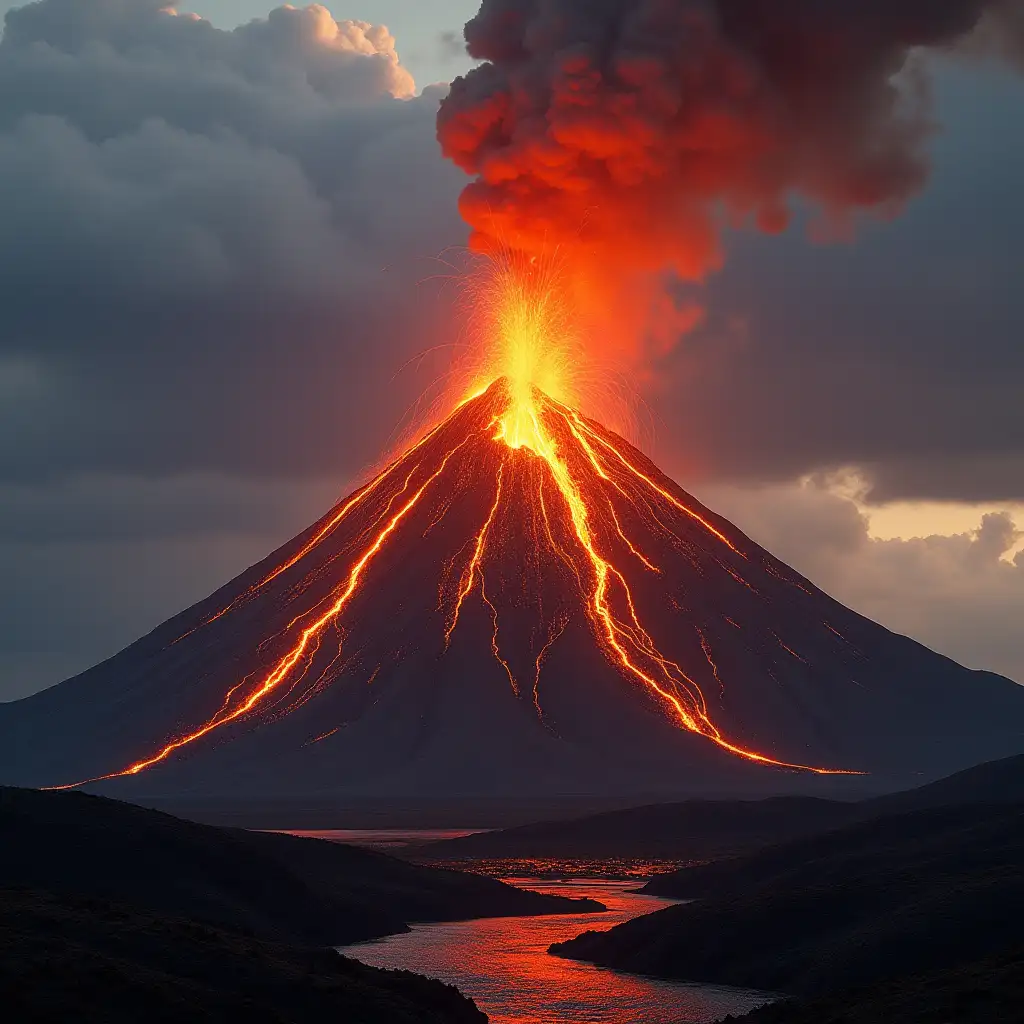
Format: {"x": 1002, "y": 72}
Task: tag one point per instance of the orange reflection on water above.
{"x": 504, "y": 965}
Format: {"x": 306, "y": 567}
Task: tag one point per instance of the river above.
{"x": 504, "y": 965}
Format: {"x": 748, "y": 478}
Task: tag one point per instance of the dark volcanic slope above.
{"x": 892, "y": 896}
{"x": 706, "y": 829}
{"x": 1000, "y": 782}
{"x": 455, "y": 652}
{"x": 73, "y": 959}
{"x": 990, "y": 991}
{"x": 279, "y": 887}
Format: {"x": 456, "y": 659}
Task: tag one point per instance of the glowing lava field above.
{"x": 520, "y": 604}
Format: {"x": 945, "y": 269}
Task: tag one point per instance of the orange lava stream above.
{"x": 471, "y": 570}
{"x": 667, "y": 495}
{"x": 625, "y": 638}
{"x": 337, "y": 517}
{"x": 309, "y": 636}
{"x": 556, "y": 634}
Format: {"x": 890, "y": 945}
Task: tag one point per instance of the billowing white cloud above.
{"x": 145, "y": 153}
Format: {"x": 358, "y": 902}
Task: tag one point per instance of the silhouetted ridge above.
{"x": 277, "y": 887}
{"x": 65, "y": 958}
{"x": 893, "y": 896}
{"x": 706, "y": 829}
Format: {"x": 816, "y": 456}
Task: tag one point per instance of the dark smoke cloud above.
{"x": 635, "y": 130}
{"x": 899, "y": 354}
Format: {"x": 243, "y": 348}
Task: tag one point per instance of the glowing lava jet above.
{"x": 521, "y": 603}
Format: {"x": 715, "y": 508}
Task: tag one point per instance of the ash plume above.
{"x": 632, "y": 132}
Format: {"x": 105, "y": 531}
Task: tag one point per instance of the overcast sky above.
{"x": 218, "y": 261}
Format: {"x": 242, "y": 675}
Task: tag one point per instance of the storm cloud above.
{"x": 204, "y": 232}
{"x": 209, "y": 264}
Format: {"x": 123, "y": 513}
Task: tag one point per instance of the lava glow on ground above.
{"x": 581, "y": 496}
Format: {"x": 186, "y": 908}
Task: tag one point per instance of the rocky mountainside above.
{"x": 505, "y": 619}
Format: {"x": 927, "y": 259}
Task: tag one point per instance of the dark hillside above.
{"x": 694, "y": 829}
{"x": 66, "y": 959}
{"x": 988, "y": 992}
{"x": 886, "y": 898}
{"x": 708, "y": 829}
{"x": 278, "y": 887}
{"x": 993, "y": 782}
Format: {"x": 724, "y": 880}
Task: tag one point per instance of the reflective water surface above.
{"x": 504, "y": 965}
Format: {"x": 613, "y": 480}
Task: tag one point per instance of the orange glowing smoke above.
{"x": 636, "y": 133}
{"x": 581, "y": 486}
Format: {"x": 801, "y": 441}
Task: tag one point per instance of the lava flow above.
{"x": 568, "y": 518}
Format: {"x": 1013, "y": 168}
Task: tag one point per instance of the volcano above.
{"x": 521, "y": 605}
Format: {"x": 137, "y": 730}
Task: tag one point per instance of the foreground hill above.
{"x": 889, "y": 897}
{"x": 997, "y": 782}
{"x": 274, "y": 886}
{"x": 66, "y": 959}
{"x": 707, "y": 829}
{"x": 990, "y": 991}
